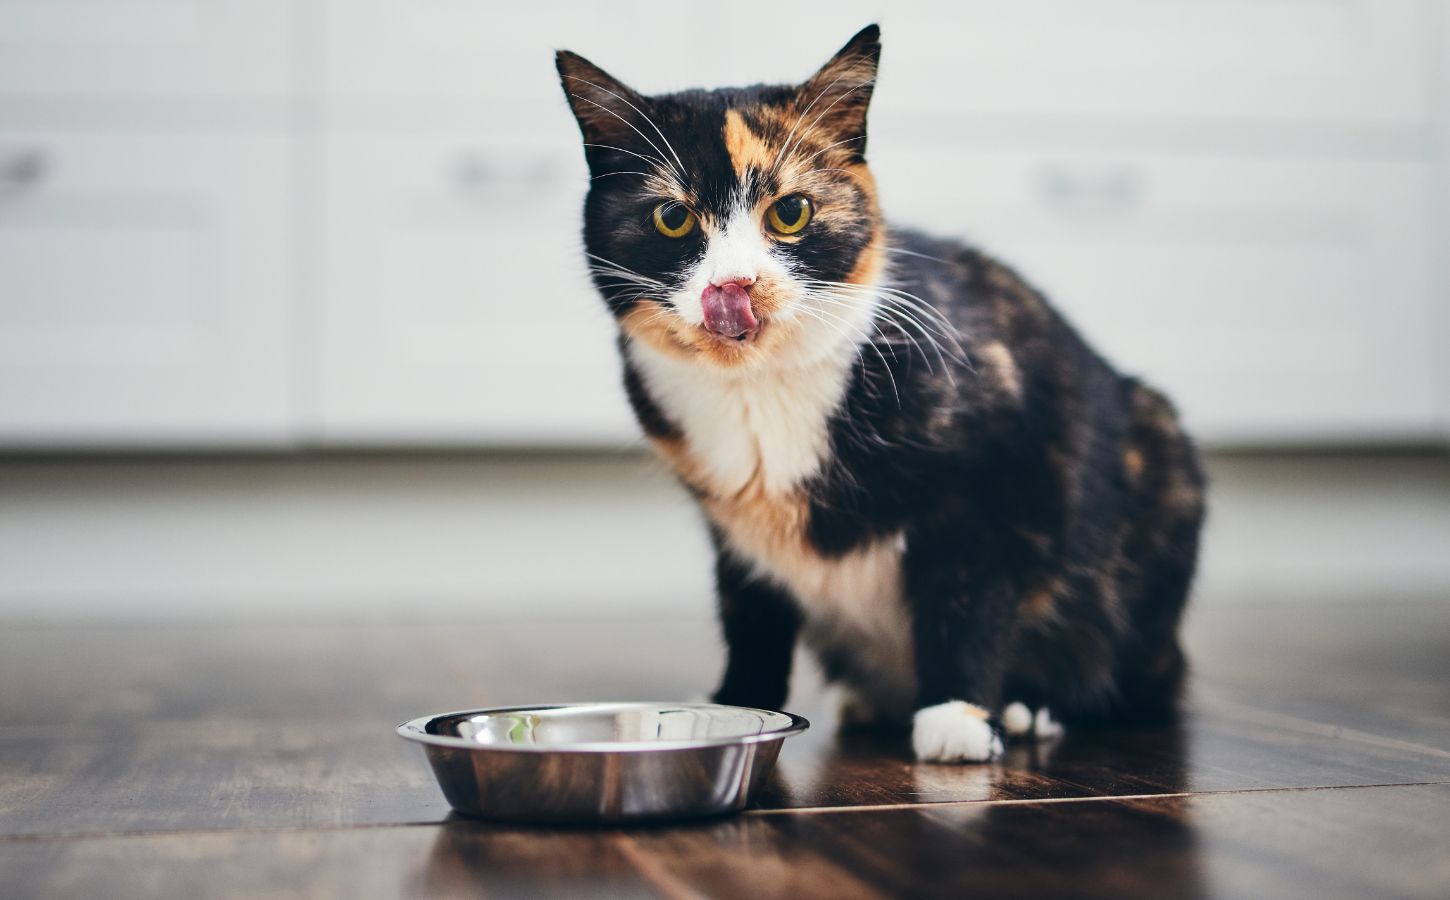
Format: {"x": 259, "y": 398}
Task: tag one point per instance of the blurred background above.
{"x": 293, "y": 318}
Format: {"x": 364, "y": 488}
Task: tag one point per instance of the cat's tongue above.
{"x": 727, "y": 310}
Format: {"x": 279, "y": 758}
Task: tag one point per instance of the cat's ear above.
{"x": 608, "y": 111}
{"x": 839, "y": 93}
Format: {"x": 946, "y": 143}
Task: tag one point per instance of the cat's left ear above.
{"x": 840, "y": 92}
{"x": 608, "y": 111}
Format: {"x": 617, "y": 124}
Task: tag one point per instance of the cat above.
{"x": 907, "y": 458}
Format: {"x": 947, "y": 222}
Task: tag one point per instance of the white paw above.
{"x": 1045, "y": 726}
{"x": 1016, "y": 719}
{"x": 955, "y": 731}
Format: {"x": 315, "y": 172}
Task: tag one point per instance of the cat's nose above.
{"x": 727, "y": 308}
{"x": 744, "y": 281}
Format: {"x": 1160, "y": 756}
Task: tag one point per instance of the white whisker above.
{"x": 655, "y": 160}
{"x": 652, "y": 144}
{"x": 643, "y": 116}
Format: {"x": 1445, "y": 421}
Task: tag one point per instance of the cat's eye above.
{"x": 788, "y": 215}
{"x": 674, "y": 220}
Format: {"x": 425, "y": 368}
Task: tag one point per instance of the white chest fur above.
{"x": 766, "y": 426}
{"x": 750, "y": 443}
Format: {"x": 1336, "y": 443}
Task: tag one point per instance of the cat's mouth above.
{"x": 743, "y": 337}
{"x": 734, "y": 340}
{"x": 729, "y": 314}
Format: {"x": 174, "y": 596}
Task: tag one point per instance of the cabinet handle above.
{"x": 1092, "y": 189}
{"x": 24, "y": 168}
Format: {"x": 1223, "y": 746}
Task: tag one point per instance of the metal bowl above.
{"x": 602, "y": 762}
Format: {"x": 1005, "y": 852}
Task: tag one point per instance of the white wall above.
{"x": 281, "y": 223}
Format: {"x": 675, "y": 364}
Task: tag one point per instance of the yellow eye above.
{"x": 789, "y": 215}
{"x": 674, "y": 220}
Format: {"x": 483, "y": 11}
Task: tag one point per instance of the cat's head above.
{"x": 735, "y": 227}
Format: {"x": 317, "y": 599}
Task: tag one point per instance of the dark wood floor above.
{"x": 253, "y": 760}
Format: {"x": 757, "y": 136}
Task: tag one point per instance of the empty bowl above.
{"x": 602, "y": 762}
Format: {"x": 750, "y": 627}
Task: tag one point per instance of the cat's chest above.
{"x": 768, "y": 432}
{"x": 748, "y": 447}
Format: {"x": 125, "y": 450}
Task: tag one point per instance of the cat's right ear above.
{"x": 841, "y": 90}
{"x": 608, "y": 112}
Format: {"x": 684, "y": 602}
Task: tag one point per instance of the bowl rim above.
{"x": 417, "y": 730}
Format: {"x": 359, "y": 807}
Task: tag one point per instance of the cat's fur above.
{"x": 913, "y": 463}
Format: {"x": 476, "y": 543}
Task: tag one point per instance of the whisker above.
{"x": 823, "y": 112}
{"x": 888, "y": 314}
{"x": 624, "y": 270}
{"x": 649, "y": 159}
{"x": 897, "y": 309}
{"x": 865, "y": 338}
{"x": 814, "y": 100}
{"x": 652, "y": 144}
{"x": 643, "y": 116}
{"x": 905, "y": 252}
{"x": 830, "y": 147}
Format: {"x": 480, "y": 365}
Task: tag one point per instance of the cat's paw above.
{"x": 1018, "y": 721}
{"x": 955, "y": 731}
{"x": 1044, "y": 726}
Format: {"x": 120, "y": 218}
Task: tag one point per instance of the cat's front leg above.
{"x": 760, "y": 622}
{"x": 962, "y": 625}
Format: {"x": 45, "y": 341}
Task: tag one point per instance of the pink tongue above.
{"x": 727, "y": 310}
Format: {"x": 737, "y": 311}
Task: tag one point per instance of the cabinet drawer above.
{"x": 455, "y": 304}
{"x": 469, "y": 50}
{"x": 165, "y": 47}
{"x": 1360, "y": 61}
{"x": 1308, "y": 61}
{"x": 143, "y": 290}
{"x": 1275, "y": 301}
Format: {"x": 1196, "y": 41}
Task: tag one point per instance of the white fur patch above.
{"x": 738, "y": 424}
{"x": 1016, "y": 719}
{"x": 1045, "y": 727}
{"x": 1019, "y": 721}
{"x": 853, "y": 606}
{"x": 955, "y": 731}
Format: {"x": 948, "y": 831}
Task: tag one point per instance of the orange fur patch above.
{"x": 758, "y": 523}
{"x": 1040, "y": 606}
{"x": 1002, "y": 368}
{"x": 1133, "y": 464}
{"x": 747, "y": 150}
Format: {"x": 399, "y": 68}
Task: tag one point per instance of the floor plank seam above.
{"x": 1040, "y": 801}
{"x": 749, "y": 813}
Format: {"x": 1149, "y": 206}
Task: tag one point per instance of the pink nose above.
{"x": 727, "y": 309}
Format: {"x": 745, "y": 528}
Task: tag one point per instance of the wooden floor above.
{"x": 252, "y": 760}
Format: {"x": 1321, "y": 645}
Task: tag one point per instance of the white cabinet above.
{"x": 504, "y": 55}
{"x": 144, "y": 294}
{"x": 455, "y": 303}
{"x": 1317, "y": 62}
{"x": 269, "y": 222}
{"x": 1276, "y": 301}
{"x": 197, "y": 48}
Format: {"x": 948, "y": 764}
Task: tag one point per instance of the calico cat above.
{"x": 907, "y": 458}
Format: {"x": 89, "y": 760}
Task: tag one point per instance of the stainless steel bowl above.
{"x": 602, "y": 762}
